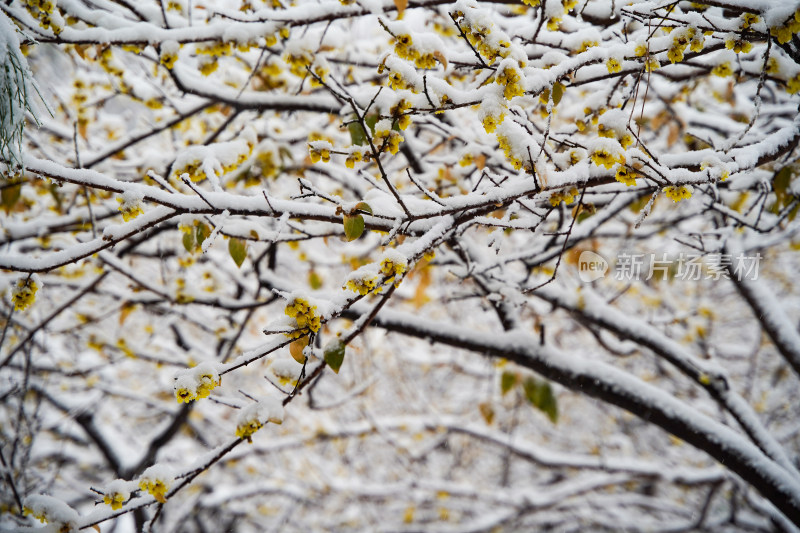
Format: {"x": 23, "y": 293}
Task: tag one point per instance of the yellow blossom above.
{"x": 793, "y": 84}
{"x": 490, "y": 122}
{"x": 722, "y": 70}
{"x": 362, "y": 285}
{"x": 129, "y": 207}
{"x": 676, "y": 193}
{"x": 393, "y": 266}
{"x": 626, "y": 176}
{"x": 23, "y": 294}
{"x": 613, "y": 65}
{"x": 604, "y": 157}
{"x": 304, "y": 314}
{"x": 738, "y": 45}
{"x": 114, "y": 499}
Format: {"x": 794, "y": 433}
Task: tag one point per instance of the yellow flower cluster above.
{"x": 353, "y": 157}
{"x": 23, "y": 293}
{"x": 197, "y": 383}
{"x": 130, "y": 209}
{"x": 116, "y": 494}
{"x": 398, "y": 82}
{"x": 784, "y": 32}
{"x": 626, "y": 175}
{"x": 115, "y": 499}
{"x": 321, "y": 72}
{"x": 748, "y": 19}
{"x": 722, "y": 70}
{"x": 676, "y": 193}
{"x": 298, "y": 62}
{"x": 318, "y": 154}
{"x": 387, "y": 138}
{"x": 679, "y": 44}
{"x": 168, "y": 58}
{"x": 566, "y": 196}
{"x": 399, "y": 113}
{"x": 509, "y": 77}
{"x": 254, "y": 416}
{"x": 216, "y": 49}
{"x": 490, "y": 122}
{"x": 245, "y": 429}
{"x": 106, "y": 60}
{"x": 305, "y": 315}
{"x": 480, "y": 37}
{"x": 696, "y": 45}
{"x": 605, "y": 157}
{"x": 404, "y": 48}
{"x": 738, "y": 45}
{"x": 45, "y": 12}
{"x": 614, "y": 65}
{"x": 508, "y": 150}
{"x": 651, "y": 64}
{"x": 208, "y": 65}
{"x": 625, "y": 140}
{"x": 553, "y": 23}
{"x": 393, "y": 267}
{"x": 793, "y": 84}
{"x": 362, "y": 285}
{"x": 156, "y": 486}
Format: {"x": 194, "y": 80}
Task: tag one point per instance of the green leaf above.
{"x": 314, "y": 281}
{"x": 371, "y": 120}
{"x": 353, "y": 226}
{"x": 238, "y": 250}
{"x": 10, "y": 195}
{"x": 780, "y": 184}
{"x": 334, "y": 354}
{"x": 558, "y": 92}
{"x": 201, "y": 233}
{"x": 540, "y": 395}
{"x": 188, "y": 241}
{"x": 507, "y": 381}
{"x": 357, "y": 134}
{"x": 364, "y": 206}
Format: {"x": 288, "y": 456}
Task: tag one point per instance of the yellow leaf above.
{"x": 487, "y": 411}
{"x": 125, "y": 310}
{"x": 440, "y": 57}
{"x": 296, "y": 349}
{"x": 401, "y": 6}
{"x": 420, "y": 297}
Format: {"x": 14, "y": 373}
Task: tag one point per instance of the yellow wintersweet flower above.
{"x": 602, "y": 156}
{"x": 748, "y": 19}
{"x": 613, "y": 65}
{"x": 626, "y": 176}
{"x": 155, "y": 481}
{"x": 116, "y": 494}
{"x": 490, "y": 122}
{"x": 722, "y": 70}
{"x": 304, "y": 314}
{"x": 23, "y": 293}
{"x": 676, "y": 193}
{"x": 738, "y": 45}
{"x": 245, "y": 429}
{"x": 393, "y": 266}
{"x": 129, "y": 206}
{"x": 362, "y": 285}
{"x": 793, "y": 84}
